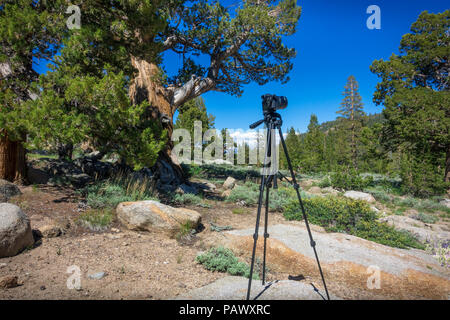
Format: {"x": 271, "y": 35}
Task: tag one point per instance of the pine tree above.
{"x": 415, "y": 91}
{"x": 29, "y": 31}
{"x": 293, "y": 144}
{"x": 352, "y": 111}
{"x": 313, "y": 146}
{"x": 241, "y": 44}
{"x": 85, "y": 96}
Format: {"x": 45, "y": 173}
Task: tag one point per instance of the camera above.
{"x": 271, "y": 103}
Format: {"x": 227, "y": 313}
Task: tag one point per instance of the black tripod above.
{"x": 269, "y": 177}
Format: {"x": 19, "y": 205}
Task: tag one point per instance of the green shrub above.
{"x": 223, "y": 260}
{"x": 350, "y": 216}
{"x": 192, "y": 170}
{"x": 185, "y": 231}
{"x": 379, "y": 194}
{"x": 387, "y": 235}
{"x": 111, "y": 192}
{"x": 217, "y": 171}
{"x": 97, "y": 219}
{"x": 421, "y": 177}
{"x": 325, "y": 182}
{"x": 427, "y": 218}
{"x": 188, "y": 198}
{"x": 249, "y": 193}
{"x": 350, "y": 180}
{"x": 336, "y": 214}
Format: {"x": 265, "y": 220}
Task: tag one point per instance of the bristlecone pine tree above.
{"x": 352, "y": 111}
{"x": 241, "y": 46}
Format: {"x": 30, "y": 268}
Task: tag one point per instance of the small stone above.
{"x": 42, "y": 288}
{"x": 2, "y": 265}
{"x": 8, "y": 282}
{"x": 113, "y": 236}
{"x": 97, "y": 276}
{"x": 115, "y": 230}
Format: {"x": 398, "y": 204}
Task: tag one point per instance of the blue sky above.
{"x": 332, "y": 42}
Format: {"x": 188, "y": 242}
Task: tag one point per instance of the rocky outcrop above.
{"x": 156, "y": 217}
{"x": 15, "y": 230}
{"x": 235, "y": 288}
{"x": 421, "y": 231}
{"x": 348, "y": 262}
{"x": 229, "y": 183}
{"x": 357, "y": 195}
{"x": 315, "y": 190}
{"x": 78, "y": 173}
{"x": 8, "y": 190}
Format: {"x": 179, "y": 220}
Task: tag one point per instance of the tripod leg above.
{"x": 255, "y": 235}
{"x": 266, "y": 223}
{"x": 296, "y": 187}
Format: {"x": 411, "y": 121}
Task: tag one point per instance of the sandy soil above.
{"x": 137, "y": 265}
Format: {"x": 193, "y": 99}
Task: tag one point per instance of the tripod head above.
{"x": 272, "y": 118}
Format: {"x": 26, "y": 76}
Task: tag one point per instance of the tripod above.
{"x": 274, "y": 122}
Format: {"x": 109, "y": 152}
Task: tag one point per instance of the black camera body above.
{"x": 271, "y": 103}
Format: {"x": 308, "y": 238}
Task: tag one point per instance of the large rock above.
{"x": 349, "y": 263}
{"x": 360, "y": 196}
{"x": 8, "y": 190}
{"x": 315, "y": 190}
{"x": 229, "y": 183}
{"x": 15, "y": 230}
{"x": 421, "y": 231}
{"x": 154, "y": 216}
{"x": 235, "y": 288}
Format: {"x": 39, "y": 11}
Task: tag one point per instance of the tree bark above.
{"x": 12, "y": 159}
{"x": 146, "y": 87}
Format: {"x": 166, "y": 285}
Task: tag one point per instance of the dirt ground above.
{"x": 137, "y": 265}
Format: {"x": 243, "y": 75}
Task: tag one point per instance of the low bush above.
{"x": 109, "y": 193}
{"x": 188, "y": 198}
{"x": 379, "y": 194}
{"x": 217, "y": 171}
{"x": 249, "y": 193}
{"x": 350, "y": 180}
{"x": 223, "y": 260}
{"x": 96, "y": 219}
{"x": 427, "y": 218}
{"x": 352, "y": 217}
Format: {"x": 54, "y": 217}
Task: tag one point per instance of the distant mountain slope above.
{"x": 370, "y": 121}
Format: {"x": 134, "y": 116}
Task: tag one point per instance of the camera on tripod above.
{"x": 271, "y": 103}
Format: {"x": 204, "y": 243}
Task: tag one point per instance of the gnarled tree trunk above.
{"x": 145, "y": 87}
{"x": 12, "y": 159}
